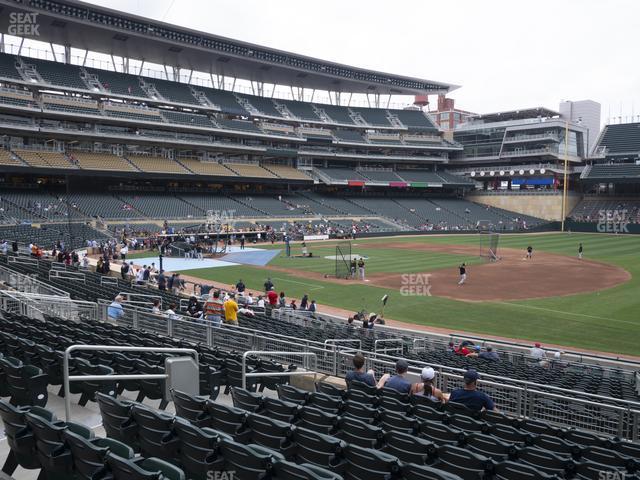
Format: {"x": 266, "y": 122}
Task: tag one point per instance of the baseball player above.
{"x": 529, "y": 252}
{"x": 463, "y": 274}
{"x": 580, "y": 249}
{"x": 361, "y": 268}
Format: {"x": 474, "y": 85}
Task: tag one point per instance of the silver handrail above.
{"x": 67, "y": 379}
{"x": 388, "y": 340}
{"x": 275, "y": 374}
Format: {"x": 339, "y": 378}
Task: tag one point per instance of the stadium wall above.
{"x": 548, "y": 207}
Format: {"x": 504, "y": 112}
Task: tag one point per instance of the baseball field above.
{"x": 554, "y": 298}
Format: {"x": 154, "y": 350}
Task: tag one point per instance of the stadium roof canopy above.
{"x": 517, "y": 114}
{"x": 98, "y": 29}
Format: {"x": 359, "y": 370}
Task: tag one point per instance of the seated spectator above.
{"x": 537, "y": 353}
{"x": 489, "y": 354}
{"x": 260, "y": 302}
{"x": 115, "y": 310}
{"x": 171, "y": 312}
{"x": 282, "y": 301}
{"x": 398, "y": 381}
{"x": 470, "y": 396}
{"x": 313, "y": 306}
{"x": 194, "y": 309}
{"x": 426, "y": 388}
{"x": 358, "y": 372}
{"x": 293, "y": 305}
{"x": 155, "y": 308}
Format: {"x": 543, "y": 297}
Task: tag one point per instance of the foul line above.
{"x": 562, "y": 312}
{"x": 313, "y": 287}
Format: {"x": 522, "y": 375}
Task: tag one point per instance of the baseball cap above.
{"x": 428, "y": 373}
{"x": 471, "y": 375}
{"x": 402, "y": 365}
{"x": 477, "y": 348}
{"x": 537, "y": 345}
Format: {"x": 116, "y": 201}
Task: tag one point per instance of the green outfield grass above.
{"x": 607, "y": 321}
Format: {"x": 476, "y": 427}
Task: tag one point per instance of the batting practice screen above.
{"x": 489, "y": 245}
{"x": 343, "y": 260}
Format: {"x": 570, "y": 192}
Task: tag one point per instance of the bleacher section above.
{"x": 244, "y": 125}
{"x": 192, "y": 119}
{"x": 66, "y": 104}
{"x": 103, "y": 205}
{"x": 173, "y": 91}
{"x": 621, "y": 172}
{"x": 251, "y": 171}
{"x": 415, "y": 120}
{"x": 156, "y": 164}
{"x": 342, "y": 174}
{"x": 419, "y": 176}
{"x": 74, "y": 235}
{"x": 239, "y": 205}
{"x": 55, "y": 73}
{"x": 284, "y": 171}
{"x": 206, "y": 168}
{"x": 595, "y": 209}
{"x": 225, "y": 100}
{"x": 380, "y": 176}
{"x": 44, "y": 159}
{"x": 18, "y": 98}
{"x": 162, "y": 206}
{"x": 301, "y": 110}
{"x": 373, "y": 116}
{"x": 100, "y": 161}
{"x": 262, "y": 104}
{"x": 132, "y": 112}
{"x": 9, "y": 158}
{"x": 8, "y": 67}
{"x": 348, "y": 136}
{"x": 337, "y": 114}
{"x": 621, "y": 139}
{"x": 119, "y": 83}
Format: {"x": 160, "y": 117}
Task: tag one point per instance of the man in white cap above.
{"x": 426, "y": 388}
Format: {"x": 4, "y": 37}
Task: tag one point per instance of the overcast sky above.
{"x": 505, "y": 54}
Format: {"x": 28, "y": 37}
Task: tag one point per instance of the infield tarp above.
{"x": 254, "y": 257}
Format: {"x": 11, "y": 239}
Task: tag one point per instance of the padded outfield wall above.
{"x": 546, "y": 206}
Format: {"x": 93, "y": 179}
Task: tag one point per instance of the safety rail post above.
{"x": 67, "y": 379}
{"x": 274, "y": 374}
{"x": 334, "y": 342}
{"x": 388, "y": 340}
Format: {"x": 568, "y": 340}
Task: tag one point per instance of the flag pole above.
{"x": 566, "y": 167}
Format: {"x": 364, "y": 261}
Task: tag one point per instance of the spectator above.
{"x": 194, "y": 309}
{"x": 231, "y": 310}
{"x": 240, "y": 287}
{"x": 313, "y": 306}
{"x": 268, "y": 285}
{"x": 214, "y": 309}
{"x": 398, "y": 381}
{"x": 5, "y": 247}
{"x": 470, "y": 396}
{"x": 123, "y": 252}
{"x": 304, "y": 303}
{"x": 260, "y": 302}
{"x": 249, "y": 298}
{"x": 489, "y": 354}
{"x": 85, "y": 262}
{"x": 171, "y": 312}
{"x": 140, "y": 275}
{"x": 115, "y": 310}
{"x": 124, "y": 270}
{"x": 358, "y": 372}
{"x": 146, "y": 274}
{"x": 162, "y": 281}
{"x": 282, "y": 301}
{"x": 426, "y": 388}
{"x": 537, "y": 353}
{"x": 171, "y": 281}
{"x": 293, "y": 305}
{"x": 155, "y": 309}
{"x": 178, "y": 284}
{"x": 451, "y": 348}
{"x": 272, "y": 297}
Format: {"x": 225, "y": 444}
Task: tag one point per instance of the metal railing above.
{"x": 275, "y": 374}
{"x": 66, "y": 275}
{"x": 67, "y": 379}
{"x": 399, "y": 342}
{"x": 28, "y": 283}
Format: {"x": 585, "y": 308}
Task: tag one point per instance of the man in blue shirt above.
{"x": 469, "y": 395}
{"x": 358, "y": 372}
{"x": 115, "y": 310}
{"x": 397, "y": 381}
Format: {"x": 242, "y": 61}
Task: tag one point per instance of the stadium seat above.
{"x": 441, "y": 434}
{"x": 465, "y": 464}
{"x": 280, "y": 410}
{"x": 53, "y": 453}
{"x": 191, "y": 408}
{"x": 250, "y": 462}
{"x": 317, "y": 420}
{"x": 412, "y": 471}
{"x": 229, "y": 420}
{"x": 21, "y": 441}
{"x": 319, "y": 449}
{"x": 27, "y": 384}
{"x": 408, "y": 448}
{"x": 155, "y": 434}
{"x": 246, "y": 400}
{"x": 199, "y": 449}
{"x": 90, "y": 454}
{"x": 291, "y": 471}
{"x": 355, "y": 432}
{"x": 272, "y": 434}
{"x": 292, "y": 394}
{"x": 116, "y": 419}
{"x": 369, "y": 464}
{"x": 519, "y": 471}
{"x": 142, "y": 469}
